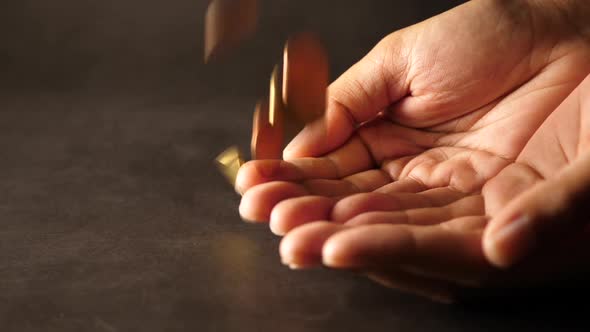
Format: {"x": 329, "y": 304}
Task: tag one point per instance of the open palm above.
{"x": 426, "y": 139}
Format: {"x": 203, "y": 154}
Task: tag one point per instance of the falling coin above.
{"x": 275, "y": 117}
{"x": 267, "y": 131}
{"x": 305, "y": 77}
{"x": 227, "y": 23}
{"x": 229, "y": 163}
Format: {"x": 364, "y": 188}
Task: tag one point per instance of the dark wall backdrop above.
{"x": 112, "y": 214}
{"x": 133, "y": 45}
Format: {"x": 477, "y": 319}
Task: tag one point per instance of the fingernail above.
{"x": 513, "y": 241}
{"x": 275, "y": 229}
{"x": 286, "y": 261}
{"x": 250, "y": 221}
{"x": 247, "y": 216}
{"x": 296, "y": 267}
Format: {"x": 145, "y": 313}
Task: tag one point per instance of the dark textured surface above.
{"x": 112, "y": 215}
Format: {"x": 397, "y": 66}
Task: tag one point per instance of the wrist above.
{"x": 570, "y": 15}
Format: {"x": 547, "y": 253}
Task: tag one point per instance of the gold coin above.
{"x": 267, "y": 131}
{"x": 229, "y": 163}
{"x": 305, "y": 77}
{"x": 228, "y": 23}
{"x": 275, "y": 117}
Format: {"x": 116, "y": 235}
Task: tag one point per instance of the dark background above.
{"x": 112, "y": 214}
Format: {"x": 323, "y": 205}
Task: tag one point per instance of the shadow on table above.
{"x": 563, "y": 308}
{"x": 564, "y": 305}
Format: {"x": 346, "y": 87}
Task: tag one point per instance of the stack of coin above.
{"x": 298, "y": 86}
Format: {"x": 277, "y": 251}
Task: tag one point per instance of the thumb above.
{"x": 357, "y": 96}
{"x": 540, "y": 218}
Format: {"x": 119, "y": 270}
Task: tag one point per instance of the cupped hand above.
{"x": 445, "y": 135}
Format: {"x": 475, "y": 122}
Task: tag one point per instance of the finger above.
{"x": 353, "y": 206}
{"x": 257, "y": 203}
{"x": 467, "y": 224}
{"x": 330, "y": 188}
{"x": 302, "y": 247}
{"x": 291, "y": 213}
{"x": 351, "y": 158}
{"x": 406, "y": 185}
{"x": 433, "y": 252}
{"x": 257, "y": 172}
{"x": 357, "y": 183}
{"x": 468, "y": 206}
{"x": 369, "y": 180}
{"x": 295, "y": 212}
{"x": 437, "y": 196}
{"x": 473, "y": 276}
{"x": 508, "y": 184}
{"x": 433, "y": 247}
{"x": 463, "y": 274}
{"x": 395, "y": 167}
{"x": 359, "y": 95}
{"x": 541, "y": 217}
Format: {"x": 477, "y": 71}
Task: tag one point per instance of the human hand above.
{"x": 436, "y": 126}
{"x": 535, "y": 208}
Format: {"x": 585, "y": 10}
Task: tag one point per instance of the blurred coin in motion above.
{"x": 267, "y": 131}
{"x": 305, "y": 77}
{"x": 228, "y": 23}
{"x": 229, "y": 162}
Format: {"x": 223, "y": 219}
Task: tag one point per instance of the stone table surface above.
{"x": 114, "y": 218}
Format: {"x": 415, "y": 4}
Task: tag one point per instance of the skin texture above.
{"x": 455, "y": 155}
